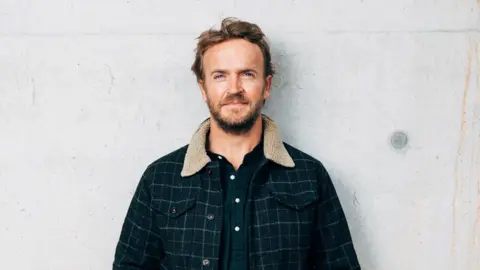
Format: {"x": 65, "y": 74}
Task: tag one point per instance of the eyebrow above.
{"x": 223, "y": 71}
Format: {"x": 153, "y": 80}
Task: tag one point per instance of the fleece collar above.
{"x": 274, "y": 150}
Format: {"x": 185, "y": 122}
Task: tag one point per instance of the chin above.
{"x": 234, "y": 120}
{"x": 235, "y": 115}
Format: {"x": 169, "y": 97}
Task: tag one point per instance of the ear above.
{"x": 268, "y": 85}
{"x": 201, "y": 85}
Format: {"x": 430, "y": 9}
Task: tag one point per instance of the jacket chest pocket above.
{"x": 170, "y": 213}
{"x": 298, "y": 202}
{"x": 295, "y": 211}
{"x": 174, "y": 220}
{"x": 285, "y": 219}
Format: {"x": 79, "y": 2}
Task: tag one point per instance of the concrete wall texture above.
{"x": 93, "y": 91}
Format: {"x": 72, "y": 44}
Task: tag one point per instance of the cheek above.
{"x": 214, "y": 93}
{"x": 216, "y": 88}
{"x": 254, "y": 89}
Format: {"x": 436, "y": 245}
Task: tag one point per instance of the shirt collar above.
{"x": 256, "y": 154}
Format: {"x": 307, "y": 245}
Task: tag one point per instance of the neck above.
{"x": 234, "y": 147}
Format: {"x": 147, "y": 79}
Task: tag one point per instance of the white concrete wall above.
{"x": 92, "y": 91}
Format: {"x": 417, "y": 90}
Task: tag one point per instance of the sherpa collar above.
{"x": 196, "y": 157}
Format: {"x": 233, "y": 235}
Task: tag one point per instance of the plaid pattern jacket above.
{"x": 296, "y": 222}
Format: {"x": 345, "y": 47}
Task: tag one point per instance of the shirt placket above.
{"x": 239, "y": 184}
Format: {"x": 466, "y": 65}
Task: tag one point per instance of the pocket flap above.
{"x": 298, "y": 201}
{"x": 173, "y": 208}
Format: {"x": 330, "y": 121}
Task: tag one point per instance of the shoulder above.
{"x": 176, "y": 156}
{"x": 304, "y": 160}
{"x": 169, "y": 163}
{"x": 300, "y": 156}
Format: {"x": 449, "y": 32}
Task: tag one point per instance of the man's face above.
{"x": 234, "y": 85}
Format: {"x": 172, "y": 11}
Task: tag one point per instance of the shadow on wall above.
{"x": 288, "y": 103}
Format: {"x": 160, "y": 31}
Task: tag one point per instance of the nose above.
{"x": 235, "y": 84}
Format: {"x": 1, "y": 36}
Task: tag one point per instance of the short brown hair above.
{"x": 232, "y": 28}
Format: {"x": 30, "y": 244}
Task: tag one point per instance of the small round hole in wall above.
{"x": 399, "y": 139}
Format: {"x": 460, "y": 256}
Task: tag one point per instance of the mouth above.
{"x": 235, "y": 104}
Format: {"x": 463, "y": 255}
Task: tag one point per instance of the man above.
{"x": 235, "y": 197}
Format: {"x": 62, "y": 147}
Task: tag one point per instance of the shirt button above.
{"x": 219, "y": 157}
{"x": 232, "y": 177}
{"x": 206, "y": 262}
{"x": 237, "y": 228}
{"x": 210, "y": 216}
{"x": 237, "y": 200}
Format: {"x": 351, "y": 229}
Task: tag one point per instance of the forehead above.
{"x": 233, "y": 54}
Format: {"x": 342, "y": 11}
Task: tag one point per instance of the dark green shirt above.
{"x": 235, "y": 185}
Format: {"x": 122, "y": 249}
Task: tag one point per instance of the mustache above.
{"x": 238, "y": 97}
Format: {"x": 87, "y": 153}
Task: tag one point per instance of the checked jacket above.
{"x": 294, "y": 218}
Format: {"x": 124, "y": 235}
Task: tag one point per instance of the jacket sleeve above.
{"x": 332, "y": 246}
{"x": 139, "y": 246}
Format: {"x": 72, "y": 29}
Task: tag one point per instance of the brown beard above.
{"x": 240, "y": 127}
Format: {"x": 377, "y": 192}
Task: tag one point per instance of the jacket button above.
{"x": 173, "y": 210}
{"x": 206, "y": 262}
{"x": 210, "y": 216}
{"x": 210, "y": 172}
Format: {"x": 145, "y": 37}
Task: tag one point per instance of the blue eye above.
{"x": 217, "y": 76}
{"x": 249, "y": 74}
